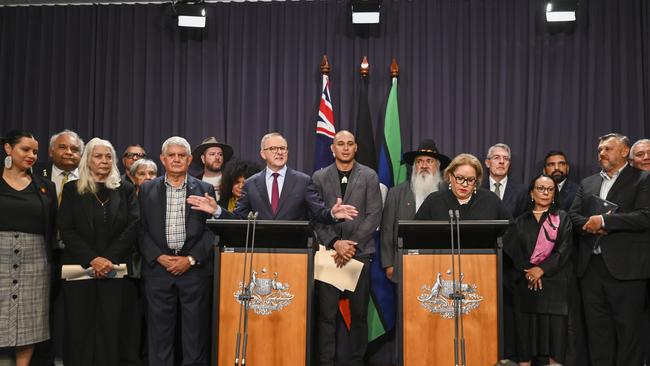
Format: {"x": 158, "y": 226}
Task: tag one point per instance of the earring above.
{"x": 474, "y": 190}
{"x": 8, "y": 162}
{"x": 450, "y": 186}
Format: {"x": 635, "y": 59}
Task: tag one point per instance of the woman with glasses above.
{"x": 98, "y": 221}
{"x": 464, "y": 175}
{"x": 539, "y": 245}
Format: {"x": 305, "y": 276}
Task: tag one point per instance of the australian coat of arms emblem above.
{"x": 266, "y": 294}
{"x": 437, "y": 299}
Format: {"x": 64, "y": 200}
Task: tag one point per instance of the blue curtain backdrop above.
{"x": 472, "y": 73}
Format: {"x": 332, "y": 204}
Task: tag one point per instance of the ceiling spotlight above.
{"x": 190, "y": 13}
{"x": 365, "y": 11}
{"x": 561, "y": 10}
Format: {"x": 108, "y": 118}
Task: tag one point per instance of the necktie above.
{"x": 497, "y": 189}
{"x": 275, "y": 193}
{"x": 63, "y": 182}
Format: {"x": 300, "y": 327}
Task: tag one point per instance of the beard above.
{"x": 423, "y": 184}
{"x": 558, "y": 176}
{"x": 214, "y": 167}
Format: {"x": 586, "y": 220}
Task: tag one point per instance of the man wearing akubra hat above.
{"x": 403, "y": 200}
{"x": 212, "y": 156}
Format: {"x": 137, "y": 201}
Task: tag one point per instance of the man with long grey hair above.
{"x": 405, "y": 199}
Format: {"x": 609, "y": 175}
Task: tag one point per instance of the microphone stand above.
{"x": 248, "y": 290}
{"x": 454, "y": 293}
{"x": 460, "y": 292}
{"x": 244, "y": 296}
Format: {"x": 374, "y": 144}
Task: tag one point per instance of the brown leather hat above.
{"x": 208, "y": 143}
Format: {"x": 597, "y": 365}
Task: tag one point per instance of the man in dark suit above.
{"x": 65, "y": 153}
{"x": 132, "y": 153}
{"x": 278, "y": 192}
{"x": 512, "y": 194}
{"x": 514, "y": 197}
{"x": 176, "y": 246}
{"x": 556, "y": 166}
{"x": 403, "y": 200}
{"x": 614, "y": 254}
{"x": 358, "y": 185}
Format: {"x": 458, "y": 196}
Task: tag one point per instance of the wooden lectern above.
{"x": 279, "y": 319}
{"x": 426, "y": 332}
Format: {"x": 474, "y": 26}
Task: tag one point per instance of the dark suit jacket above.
{"x": 78, "y": 230}
{"x": 43, "y": 170}
{"x": 625, "y": 248}
{"x": 153, "y": 241}
{"x": 299, "y": 199}
{"x": 567, "y": 194}
{"x": 399, "y": 205}
{"x": 515, "y": 198}
{"x": 361, "y": 192}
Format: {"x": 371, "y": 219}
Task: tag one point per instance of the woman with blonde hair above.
{"x": 464, "y": 175}
{"x": 98, "y": 221}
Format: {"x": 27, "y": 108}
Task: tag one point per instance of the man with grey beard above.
{"x": 405, "y": 199}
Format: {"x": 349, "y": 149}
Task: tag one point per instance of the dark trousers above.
{"x": 164, "y": 294}
{"x": 328, "y": 298}
{"x": 614, "y": 311}
{"x": 45, "y": 352}
{"x": 92, "y": 322}
{"x": 132, "y": 320}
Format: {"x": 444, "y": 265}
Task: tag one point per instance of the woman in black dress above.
{"x": 464, "y": 175}
{"x": 27, "y": 227}
{"x": 539, "y": 245}
{"x": 98, "y": 221}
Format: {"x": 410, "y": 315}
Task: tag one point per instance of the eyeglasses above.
{"x": 131, "y": 155}
{"x": 542, "y": 189}
{"x": 277, "y": 149}
{"x": 500, "y": 158}
{"x": 463, "y": 180}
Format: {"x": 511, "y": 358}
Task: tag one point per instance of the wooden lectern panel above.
{"x": 428, "y": 337}
{"x": 279, "y": 338}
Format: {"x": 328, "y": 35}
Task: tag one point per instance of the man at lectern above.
{"x": 405, "y": 199}
{"x": 278, "y": 192}
{"x": 358, "y": 186}
{"x": 612, "y": 213}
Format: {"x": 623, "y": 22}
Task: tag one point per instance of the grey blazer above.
{"x": 363, "y": 193}
{"x": 400, "y": 205}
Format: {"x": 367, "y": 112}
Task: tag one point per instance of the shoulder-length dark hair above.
{"x": 554, "y": 206}
{"x": 232, "y": 171}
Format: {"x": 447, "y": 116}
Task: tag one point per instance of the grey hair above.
{"x": 500, "y": 145}
{"x": 268, "y": 136}
{"x": 642, "y": 141}
{"x": 615, "y": 135}
{"x": 178, "y": 141}
{"x": 143, "y": 163}
{"x": 71, "y": 133}
{"x": 86, "y": 184}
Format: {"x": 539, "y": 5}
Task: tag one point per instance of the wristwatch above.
{"x": 191, "y": 259}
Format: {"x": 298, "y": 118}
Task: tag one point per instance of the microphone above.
{"x": 255, "y": 214}
{"x": 250, "y": 215}
{"x": 460, "y": 294}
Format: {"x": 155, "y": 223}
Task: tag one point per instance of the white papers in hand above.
{"x": 75, "y": 272}
{"x": 344, "y": 278}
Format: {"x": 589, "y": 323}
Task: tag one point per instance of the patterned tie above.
{"x": 275, "y": 193}
{"x": 63, "y": 182}
{"x": 497, "y": 189}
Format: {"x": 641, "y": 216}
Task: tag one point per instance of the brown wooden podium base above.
{"x": 427, "y": 336}
{"x": 279, "y": 338}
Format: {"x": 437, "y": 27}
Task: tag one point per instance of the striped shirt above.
{"x": 175, "y": 216}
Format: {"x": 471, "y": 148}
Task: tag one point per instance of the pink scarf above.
{"x": 545, "y": 239}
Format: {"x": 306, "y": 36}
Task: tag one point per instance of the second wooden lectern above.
{"x": 425, "y": 309}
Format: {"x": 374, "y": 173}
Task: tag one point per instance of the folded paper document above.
{"x": 344, "y": 278}
{"x": 75, "y": 272}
